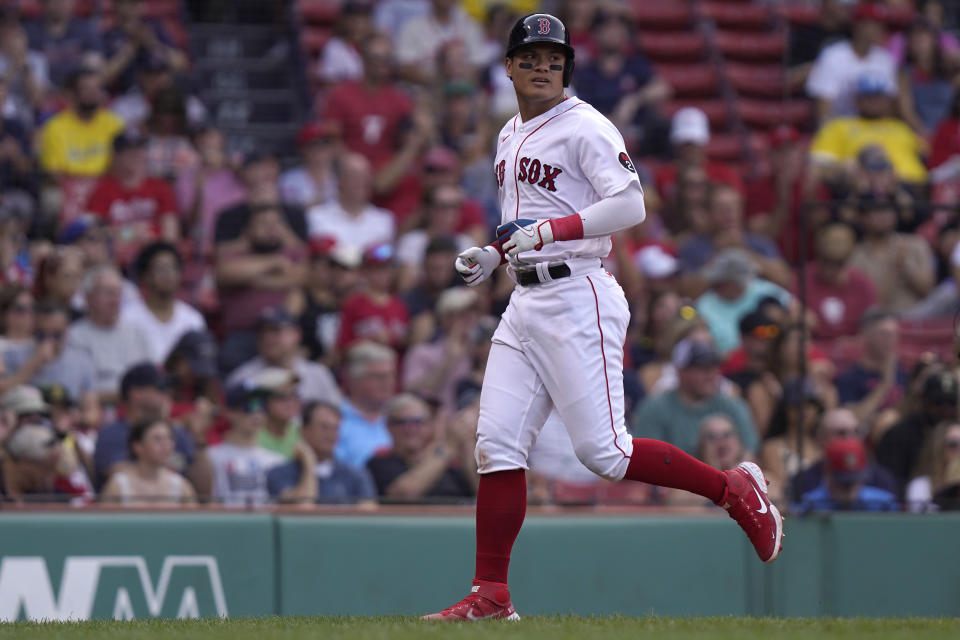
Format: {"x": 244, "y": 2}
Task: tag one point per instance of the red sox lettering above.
{"x": 530, "y": 171}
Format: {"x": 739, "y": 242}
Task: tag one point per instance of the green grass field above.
{"x": 546, "y": 627}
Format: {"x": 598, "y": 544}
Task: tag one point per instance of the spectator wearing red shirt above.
{"x": 375, "y": 313}
{"x": 263, "y": 268}
{"x": 689, "y": 135}
{"x": 838, "y": 293}
{"x": 375, "y": 119}
{"x": 136, "y": 208}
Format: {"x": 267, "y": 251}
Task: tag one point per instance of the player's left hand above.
{"x": 524, "y": 234}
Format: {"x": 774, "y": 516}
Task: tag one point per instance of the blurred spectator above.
{"x": 838, "y": 142}
{"x": 194, "y": 379}
{"x": 726, "y": 231}
{"x": 945, "y": 146}
{"x": 839, "y": 423}
{"x": 658, "y": 266}
{"x": 650, "y": 342}
{"x": 926, "y": 77}
{"x": 375, "y": 312}
{"x": 390, "y": 16}
{"x": 16, "y": 264}
{"x": 378, "y": 121}
{"x": 661, "y": 375}
{"x": 143, "y": 392}
{"x": 874, "y": 177}
{"x": 158, "y": 269}
{"x": 933, "y": 14}
{"x": 785, "y": 364}
{"x": 136, "y": 207}
{"x": 154, "y": 82}
{"x": 263, "y": 268}
{"x": 901, "y": 265}
{"x": 675, "y": 416}
{"x": 59, "y": 277}
{"x": 689, "y": 135}
{"x": 278, "y": 347}
{"x": 441, "y": 209}
{"x": 16, "y": 163}
{"x": 806, "y": 41}
{"x": 735, "y": 290}
{"x": 25, "y": 73}
{"x": 431, "y": 370}
{"x": 333, "y": 275}
{"x": 370, "y": 378}
{"x": 88, "y": 235}
{"x": 204, "y": 193}
{"x": 465, "y": 127}
{"x": 836, "y": 71}
{"x": 748, "y": 362}
{"x": 239, "y": 464}
{"x": 281, "y": 404}
{"x": 131, "y": 43}
{"x": 845, "y": 487}
{"x": 622, "y": 84}
{"x": 146, "y": 482}
{"x": 48, "y": 359}
{"x": 17, "y": 319}
{"x": 467, "y": 388}
{"x": 37, "y": 468}
{"x": 901, "y": 446}
{"x": 170, "y": 152}
{"x": 876, "y": 382}
{"x": 78, "y": 436}
{"x": 837, "y": 292}
{"x": 720, "y": 447}
{"x": 112, "y": 343}
{"x": 340, "y": 59}
{"x": 337, "y": 483}
{"x": 64, "y": 39}
{"x": 314, "y": 182}
{"x": 441, "y": 168}
{"x": 438, "y": 275}
{"x": 932, "y": 469}
{"x": 423, "y": 37}
{"x": 351, "y": 219}
{"x": 795, "y": 418}
{"x": 427, "y": 460}
{"x": 260, "y": 175}
{"x": 78, "y": 140}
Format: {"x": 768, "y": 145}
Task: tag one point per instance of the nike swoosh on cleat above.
{"x": 470, "y": 616}
{"x": 763, "y": 505}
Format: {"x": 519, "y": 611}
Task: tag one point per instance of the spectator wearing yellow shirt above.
{"x": 77, "y": 141}
{"x": 837, "y": 143}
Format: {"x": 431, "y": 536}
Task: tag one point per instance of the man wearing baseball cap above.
{"x": 675, "y": 416}
{"x": 844, "y": 487}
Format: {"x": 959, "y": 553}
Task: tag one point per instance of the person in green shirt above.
{"x": 675, "y": 416}
{"x": 281, "y": 430}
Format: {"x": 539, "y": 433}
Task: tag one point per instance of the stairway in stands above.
{"x": 248, "y": 75}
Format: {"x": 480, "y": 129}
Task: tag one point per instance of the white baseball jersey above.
{"x": 559, "y": 346}
{"x": 557, "y": 164}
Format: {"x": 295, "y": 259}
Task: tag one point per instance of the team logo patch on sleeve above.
{"x": 625, "y": 161}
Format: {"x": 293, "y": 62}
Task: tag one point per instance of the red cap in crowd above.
{"x": 320, "y": 130}
{"x": 782, "y": 135}
{"x": 846, "y": 460}
{"x": 870, "y": 11}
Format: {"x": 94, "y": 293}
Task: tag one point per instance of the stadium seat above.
{"x": 661, "y": 15}
{"x": 746, "y": 45}
{"x": 765, "y": 81}
{"x": 697, "y": 79}
{"x": 767, "y": 114}
{"x": 715, "y": 109}
{"x": 679, "y": 45}
{"x": 743, "y": 17}
{"x": 318, "y": 12}
{"x": 34, "y": 8}
{"x": 800, "y": 14}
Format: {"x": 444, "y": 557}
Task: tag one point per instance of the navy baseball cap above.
{"x": 200, "y": 351}
{"x": 145, "y": 374}
{"x": 128, "y": 140}
{"x": 275, "y": 317}
{"x": 695, "y": 353}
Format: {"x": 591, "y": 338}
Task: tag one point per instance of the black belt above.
{"x": 529, "y": 276}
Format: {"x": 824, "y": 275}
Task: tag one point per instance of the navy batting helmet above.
{"x": 542, "y": 27}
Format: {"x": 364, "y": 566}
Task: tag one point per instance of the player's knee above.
{"x": 600, "y": 461}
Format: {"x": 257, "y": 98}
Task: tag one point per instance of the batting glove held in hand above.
{"x": 524, "y": 235}
{"x": 476, "y": 265}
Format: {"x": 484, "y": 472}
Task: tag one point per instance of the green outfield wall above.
{"x": 80, "y": 566}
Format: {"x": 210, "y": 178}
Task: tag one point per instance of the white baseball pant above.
{"x": 559, "y": 344}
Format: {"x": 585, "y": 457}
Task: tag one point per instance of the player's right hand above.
{"x": 476, "y": 265}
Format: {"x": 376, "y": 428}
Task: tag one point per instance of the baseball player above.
{"x": 566, "y": 184}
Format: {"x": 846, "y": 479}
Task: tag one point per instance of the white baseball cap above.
{"x": 654, "y": 262}
{"x": 690, "y": 125}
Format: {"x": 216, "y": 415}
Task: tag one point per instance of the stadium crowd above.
{"x": 179, "y": 324}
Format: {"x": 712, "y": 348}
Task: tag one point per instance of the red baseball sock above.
{"x": 501, "y": 506}
{"x": 665, "y": 465}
